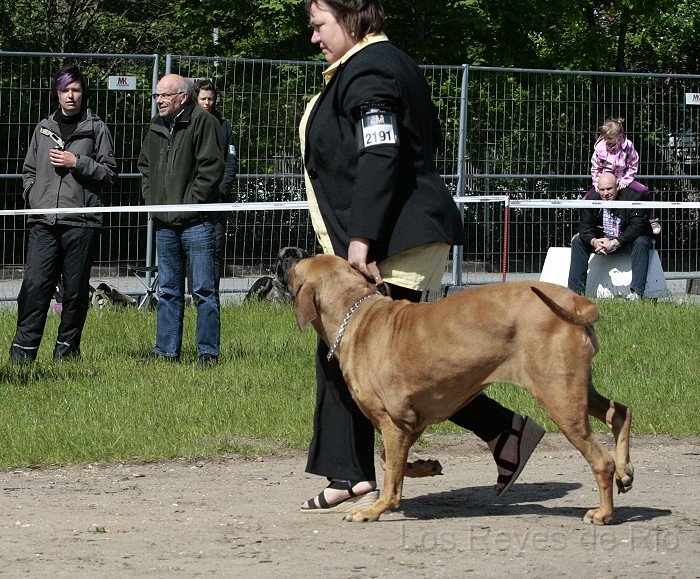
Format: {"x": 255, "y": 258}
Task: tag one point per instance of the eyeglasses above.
{"x": 165, "y": 95}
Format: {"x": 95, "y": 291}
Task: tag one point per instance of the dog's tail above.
{"x": 586, "y": 314}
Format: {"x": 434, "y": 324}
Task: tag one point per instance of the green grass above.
{"x": 111, "y": 406}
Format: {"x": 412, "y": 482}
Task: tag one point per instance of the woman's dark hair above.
{"x": 67, "y": 75}
{"x": 360, "y": 17}
{"x": 204, "y": 84}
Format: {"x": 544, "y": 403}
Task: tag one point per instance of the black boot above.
{"x": 20, "y": 355}
{"x": 64, "y": 351}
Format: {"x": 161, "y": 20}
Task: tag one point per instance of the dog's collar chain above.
{"x": 344, "y": 324}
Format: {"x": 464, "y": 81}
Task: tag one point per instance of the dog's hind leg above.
{"x": 618, "y": 418}
{"x": 397, "y": 443}
{"x": 569, "y": 411}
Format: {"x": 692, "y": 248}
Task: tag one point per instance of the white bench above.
{"x": 608, "y": 275}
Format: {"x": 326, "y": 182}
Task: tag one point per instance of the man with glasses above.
{"x": 182, "y": 163}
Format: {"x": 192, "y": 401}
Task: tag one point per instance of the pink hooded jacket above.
{"x": 622, "y": 160}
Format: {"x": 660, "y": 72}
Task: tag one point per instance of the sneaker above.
{"x": 208, "y": 360}
{"x": 633, "y": 297}
{"x": 655, "y": 226}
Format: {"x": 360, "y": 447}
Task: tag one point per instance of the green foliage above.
{"x": 646, "y": 35}
{"x": 119, "y": 26}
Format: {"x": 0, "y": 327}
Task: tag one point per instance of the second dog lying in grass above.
{"x": 273, "y": 288}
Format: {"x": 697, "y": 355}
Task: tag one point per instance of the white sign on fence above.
{"x": 692, "y": 98}
{"x": 122, "y": 83}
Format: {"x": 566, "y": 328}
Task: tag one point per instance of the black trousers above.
{"x": 54, "y": 251}
{"x": 342, "y": 445}
{"x": 581, "y": 252}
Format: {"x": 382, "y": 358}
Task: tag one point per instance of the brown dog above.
{"x": 411, "y": 365}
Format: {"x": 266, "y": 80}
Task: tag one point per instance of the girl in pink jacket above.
{"x": 614, "y": 153}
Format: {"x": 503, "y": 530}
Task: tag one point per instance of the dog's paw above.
{"x": 594, "y": 517}
{"x": 624, "y": 481}
{"x": 420, "y": 468}
{"x": 362, "y": 516}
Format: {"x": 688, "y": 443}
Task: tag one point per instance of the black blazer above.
{"x": 390, "y": 194}
{"x": 633, "y": 221}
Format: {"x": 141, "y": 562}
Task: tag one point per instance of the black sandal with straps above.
{"x": 354, "y": 501}
{"x": 528, "y": 439}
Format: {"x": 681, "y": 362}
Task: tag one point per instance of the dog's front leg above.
{"x": 397, "y": 443}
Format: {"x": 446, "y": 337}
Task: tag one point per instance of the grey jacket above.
{"x": 46, "y": 186}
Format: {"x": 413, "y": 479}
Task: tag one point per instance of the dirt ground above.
{"x": 233, "y": 516}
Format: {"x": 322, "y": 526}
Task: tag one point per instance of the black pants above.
{"x": 342, "y": 445}
{"x": 54, "y": 251}
{"x": 581, "y": 252}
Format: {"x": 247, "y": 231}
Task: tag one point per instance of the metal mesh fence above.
{"x": 525, "y": 133}
{"x": 25, "y": 99}
{"x": 264, "y": 101}
{"x": 530, "y": 135}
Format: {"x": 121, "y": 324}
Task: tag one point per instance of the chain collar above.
{"x": 344, "y": 324}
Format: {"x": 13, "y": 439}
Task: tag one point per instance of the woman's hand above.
{"x": 358, "y": 250}
{"x": 59, "y": 158}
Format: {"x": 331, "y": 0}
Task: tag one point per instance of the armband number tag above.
{"x": 377, "y": 126}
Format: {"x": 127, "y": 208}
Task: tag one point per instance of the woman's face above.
{"x": 206, "y": 100}
{"x": 70, "y": 98}
{"x": 330, "y": 35}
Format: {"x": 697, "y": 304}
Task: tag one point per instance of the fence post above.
{"x": 149, "y": 224}
{"x": 458, "y": 250}
{"x": 506, "y": 222}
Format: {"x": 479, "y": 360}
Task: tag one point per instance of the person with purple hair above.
{"x": 69, "y": 162}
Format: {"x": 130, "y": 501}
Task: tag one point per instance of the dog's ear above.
{"x": 304, "y": 307}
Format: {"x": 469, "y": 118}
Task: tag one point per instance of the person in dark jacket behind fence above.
{"x": 206, "y": 97}
{"x": 182, "y": 163}
{"x": 69, "y": 162}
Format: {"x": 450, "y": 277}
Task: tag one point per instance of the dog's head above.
{"x": 324, "y": 278}
{"x": 285, "y": 257}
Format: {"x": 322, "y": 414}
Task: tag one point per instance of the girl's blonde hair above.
{"x": 611, "y": 127}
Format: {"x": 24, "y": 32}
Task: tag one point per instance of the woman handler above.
{"x": 375, "y": 195}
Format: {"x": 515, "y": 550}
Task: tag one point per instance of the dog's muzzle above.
{"x": 287, "y": 265}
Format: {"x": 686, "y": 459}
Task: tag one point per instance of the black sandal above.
{"x": 528, "y": 439}
{"x": 353, "y": 501}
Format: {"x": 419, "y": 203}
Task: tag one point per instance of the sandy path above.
{"x": 231, "y": 516}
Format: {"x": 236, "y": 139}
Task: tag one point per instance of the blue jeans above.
{"x": 176, "y": 246}
{"x": 639, "y": 251}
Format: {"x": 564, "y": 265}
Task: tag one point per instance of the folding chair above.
{"x": 148, "y": 276}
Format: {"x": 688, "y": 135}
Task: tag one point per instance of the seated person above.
{"x": 606, "y": 231}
